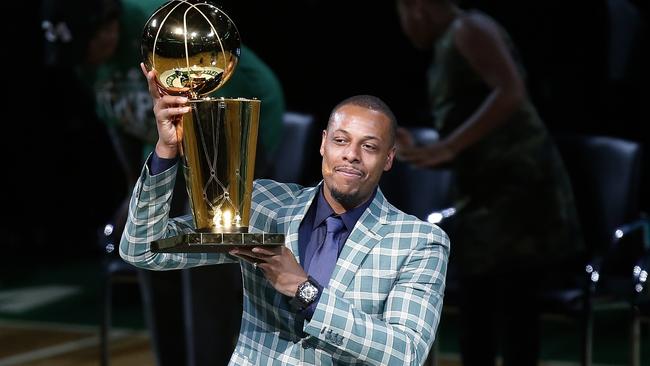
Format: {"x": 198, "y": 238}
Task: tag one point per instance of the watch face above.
{"x": 308, "y": 292}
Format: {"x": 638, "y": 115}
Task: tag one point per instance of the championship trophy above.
{"x": 194, "y": 48}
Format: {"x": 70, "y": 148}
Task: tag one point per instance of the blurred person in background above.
{"x": 515, "y": 217}
{"x": 64, "y": 135}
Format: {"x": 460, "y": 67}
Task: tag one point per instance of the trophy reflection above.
{"x": 194, "y": 48}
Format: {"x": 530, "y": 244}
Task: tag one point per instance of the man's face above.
{"x": 356, "y": 148}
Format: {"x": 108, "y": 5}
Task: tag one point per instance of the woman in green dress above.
{"x": 515, "y": 213}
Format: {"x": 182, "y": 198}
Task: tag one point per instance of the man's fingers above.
{"x": 243, "y": 256}
{"x": 266, "y": 251}
{"x": 151, "y": 81}
{"x": 169, "y": 107}
{"x": 256, "y": 253}
{"x": 171, "y": 113}
{"x": 144, "y": 70}
{"x": 173, "y": 100}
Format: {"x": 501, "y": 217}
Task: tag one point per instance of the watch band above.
{"x": 298, "y": 302}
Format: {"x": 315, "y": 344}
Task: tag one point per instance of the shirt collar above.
{"x": 350, "y": 218}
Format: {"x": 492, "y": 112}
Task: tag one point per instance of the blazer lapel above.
{"x": 296, "y": 213}
{"x": 365, "y": 235}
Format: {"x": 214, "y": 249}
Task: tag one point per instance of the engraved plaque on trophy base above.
{"x": 215, "y": 242}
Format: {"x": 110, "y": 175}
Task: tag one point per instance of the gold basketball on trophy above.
{"x": 194, "y": 47}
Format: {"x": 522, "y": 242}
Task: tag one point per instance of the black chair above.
{"x": 290, "y": 160}
{"x": 114, "y": 270}
{"x": 416, "y": 191}
{"x": 640, "y": 308}
{"x": 605, "y": 175}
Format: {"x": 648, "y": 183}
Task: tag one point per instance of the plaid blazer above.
{"x": 383, "y": 303}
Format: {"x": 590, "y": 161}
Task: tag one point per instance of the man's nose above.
{"x": 351, "y": 153}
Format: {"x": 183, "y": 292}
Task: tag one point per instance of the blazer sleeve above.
{"x": 405, "y": 332}
{"x": 148, "y": 220}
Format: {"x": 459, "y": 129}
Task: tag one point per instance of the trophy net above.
{"x": 218, "y": 153}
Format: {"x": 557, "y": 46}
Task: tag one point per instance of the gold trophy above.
{"x": 194, "y": 47}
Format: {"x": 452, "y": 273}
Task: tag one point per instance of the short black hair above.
{"x": 373, "y": 103}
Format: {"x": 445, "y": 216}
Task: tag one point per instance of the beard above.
{"x": 347, "y": 200}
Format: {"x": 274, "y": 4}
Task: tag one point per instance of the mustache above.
{"x": 349, "y": 168}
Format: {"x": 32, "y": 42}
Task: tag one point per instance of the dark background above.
{"x": 62, "y": 181}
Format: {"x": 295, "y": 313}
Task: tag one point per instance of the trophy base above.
{"x": 215, "y": 242}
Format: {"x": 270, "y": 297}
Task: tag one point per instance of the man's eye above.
{"x": 370, "y": 147}
{"x": 339, "y": 140}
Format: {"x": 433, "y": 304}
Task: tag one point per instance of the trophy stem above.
{"x": 219, "y": 144}
{"x": 179, "y": 137}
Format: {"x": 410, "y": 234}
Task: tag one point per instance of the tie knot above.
{"x": 334, "y": 224}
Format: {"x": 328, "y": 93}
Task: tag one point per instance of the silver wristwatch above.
{"x": 305, "y": 295}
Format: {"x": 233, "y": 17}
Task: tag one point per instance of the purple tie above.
{"x": 324, "y": 259}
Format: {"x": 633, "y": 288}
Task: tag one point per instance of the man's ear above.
{"x": 322, "y": 143}
{"x": 389, "y": 160}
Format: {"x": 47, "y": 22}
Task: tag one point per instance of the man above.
{"x": 376, "y": 301}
